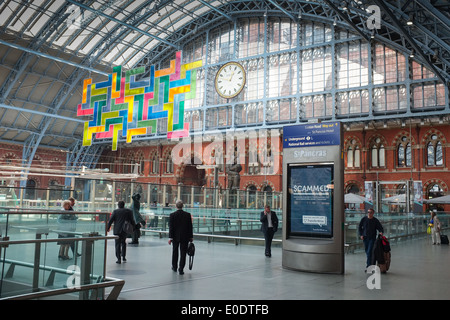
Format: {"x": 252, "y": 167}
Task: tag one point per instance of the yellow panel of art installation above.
{"x": 96, "y": 92}
{"x": 135, "y": 132}
{"x": 165, "y": 72}
{"x": 86, "y": 82}
{"x": 114, "y": 94}
{"x": 169, "y": 108}
{"x": 116, "y": 128}
{"x": 88, "y": 131}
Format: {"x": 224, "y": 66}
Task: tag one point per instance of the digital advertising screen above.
{"x": 310, "y": 200}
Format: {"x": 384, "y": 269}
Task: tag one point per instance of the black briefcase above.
{"x": 191, "y": 253}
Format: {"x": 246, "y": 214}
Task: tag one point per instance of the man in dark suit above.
{"x": 269, "y": 226}
{"x": 119, "y": 216}
{"x": 180, "y": 234}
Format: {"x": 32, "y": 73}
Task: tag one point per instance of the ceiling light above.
{"x": 410, "y": 20}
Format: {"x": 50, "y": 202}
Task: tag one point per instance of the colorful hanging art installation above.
{"x": 127, "y": 106}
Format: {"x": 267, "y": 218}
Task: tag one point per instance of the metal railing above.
{"x": 83, "y": 281}
{"x": 239, "y": 230}
{"x": 239, "y": 226}
{"x": 29, "y": 261}
{"x": 397, "y": 227}
{"x": 212, "y": 228}
{"x": 103, "y": 195}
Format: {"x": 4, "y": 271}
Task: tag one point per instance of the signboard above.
{"x": 310, "y": 200}
{"x": 312, "y": 135}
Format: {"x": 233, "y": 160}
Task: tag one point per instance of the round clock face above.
{"x": 230, "y": 80}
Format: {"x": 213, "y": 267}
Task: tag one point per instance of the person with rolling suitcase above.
{"x": 368, "y": 227}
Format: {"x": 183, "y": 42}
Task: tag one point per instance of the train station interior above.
{"x": 228, "y": 106}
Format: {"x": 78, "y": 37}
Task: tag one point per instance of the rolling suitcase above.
{"x": 444, "y": 239}
{"x": 384, "y": 267}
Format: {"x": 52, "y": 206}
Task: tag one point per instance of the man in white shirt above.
{"x": 269, "y": 226}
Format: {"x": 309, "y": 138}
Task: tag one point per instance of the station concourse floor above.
{"x": 225, "y": 271}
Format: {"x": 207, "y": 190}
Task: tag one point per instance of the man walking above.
{"x": 119, "y": 216}
{"x": 180, "y": 234}
{"x": 368, "y": 227}
{"x": 269, "y": 226}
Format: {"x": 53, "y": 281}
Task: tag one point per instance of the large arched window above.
{"x": 434, "y": 151}
{"x": 352, "y": 188}
{"x": 404, "y": 152}
{"x": 435, "y": 191}
{"x": 305, "y": 71}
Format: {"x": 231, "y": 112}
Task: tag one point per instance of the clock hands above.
{"x": 227, "y": 85}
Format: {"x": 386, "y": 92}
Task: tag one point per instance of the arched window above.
{"x": 353, "y": 155}
{"x": 404, "y": 152}
{"x": 169, "y": 164}
{"x": 30, "y": 189}
{"x": 128, "y": 163}
{"x": 253, "y": 160}
{"x": 434, "y": 151}
{"x": 435, "y": 191}
{"x": 267, "y": 160}
{"x": 154, "y": 163}
{"x": 267, "y": 196}
{"x": 378, "y": 154}
{"x": 141, "y": 165}
{"x": 352, "y": 188}
{"x": 251, "y": 200}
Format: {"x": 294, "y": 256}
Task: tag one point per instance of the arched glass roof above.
{"x": 47, "y": 47}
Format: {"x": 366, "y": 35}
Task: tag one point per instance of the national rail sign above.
{"x": 312, "y": 135}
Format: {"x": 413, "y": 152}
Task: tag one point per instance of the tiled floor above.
{"x": 224, "y": 271}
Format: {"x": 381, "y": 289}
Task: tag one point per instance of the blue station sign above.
{"x": 312, "y": 135}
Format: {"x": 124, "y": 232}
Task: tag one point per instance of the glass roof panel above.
{"x": 6, "y": 11}
{"x": 90, "y": 45}
{"x": 88, "y": 32}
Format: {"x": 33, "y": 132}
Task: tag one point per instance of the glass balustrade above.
{"x": 102, "y": 195}
{"x": 396, "y": 227}
{"x": 30, "y": 232}
{"x": 38, "y": 252}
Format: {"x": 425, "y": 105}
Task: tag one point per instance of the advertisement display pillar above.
{"x": 313, "y": 198}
